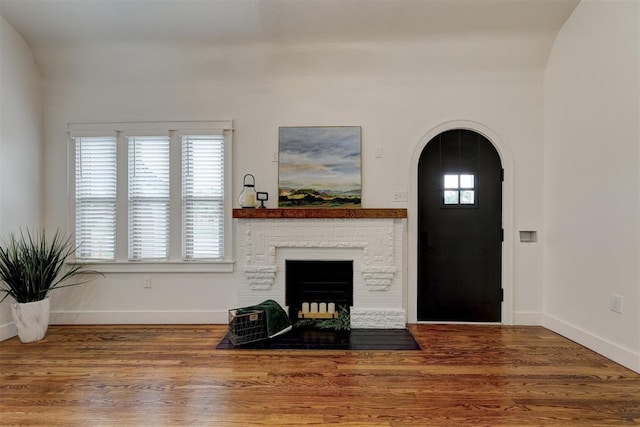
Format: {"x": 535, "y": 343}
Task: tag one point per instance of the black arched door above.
{"x": 460, "y": 229}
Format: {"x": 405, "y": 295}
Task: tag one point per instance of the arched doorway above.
{"x": 459, "y": 229}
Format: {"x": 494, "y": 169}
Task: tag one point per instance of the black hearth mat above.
{"x": 317, "y": 339}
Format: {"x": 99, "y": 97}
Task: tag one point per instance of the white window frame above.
{"x": 175, "y": 263}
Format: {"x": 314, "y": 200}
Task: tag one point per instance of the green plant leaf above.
{"x": 31, "y": 265}
{"x": 340, "y": 323}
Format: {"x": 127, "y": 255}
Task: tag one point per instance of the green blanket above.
{"x": 277, "y": 319}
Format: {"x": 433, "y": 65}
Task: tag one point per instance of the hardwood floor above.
{"x": 174, "y": 376}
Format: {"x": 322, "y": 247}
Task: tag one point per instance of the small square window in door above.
{"x": 459, "y": 190}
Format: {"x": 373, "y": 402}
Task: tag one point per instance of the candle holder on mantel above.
{"x": 247, "y": 198}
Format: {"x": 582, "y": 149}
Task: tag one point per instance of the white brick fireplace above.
{"x": 374, "y": 239}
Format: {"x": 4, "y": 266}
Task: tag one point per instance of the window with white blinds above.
{"x": 148, "y": 198}
{"x": 147, "y": 194}
{"x": 95, "y": 198}
{"x": 202, "y": 197}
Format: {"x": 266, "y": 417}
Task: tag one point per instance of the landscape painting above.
{"x": 319, "y": 167}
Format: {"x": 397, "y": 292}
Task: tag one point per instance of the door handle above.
{"x": 424, "y": 241}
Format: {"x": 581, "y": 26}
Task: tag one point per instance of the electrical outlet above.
{"x": 400, "y": 196}
{"x": 146, "y": 281}
{"x": 616, "y": 303}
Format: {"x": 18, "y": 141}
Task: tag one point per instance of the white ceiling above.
{"x": 56, "y": 23}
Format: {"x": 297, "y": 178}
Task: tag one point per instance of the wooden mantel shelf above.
{"x": 318, "y": 213}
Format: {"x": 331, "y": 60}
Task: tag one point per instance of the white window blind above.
{"x": 148, "y": 197}
{"x": 152, "y": 196}
{"x": 202, "y": 197}
{"x": 95, "y": 198}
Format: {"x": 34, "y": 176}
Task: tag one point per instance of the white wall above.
{"x": 592, "y": 185}
{"x": 20, "y": 143}
{"x": 398, "y": 93}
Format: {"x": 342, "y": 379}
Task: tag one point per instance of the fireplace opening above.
{"x": 313, "y": 286}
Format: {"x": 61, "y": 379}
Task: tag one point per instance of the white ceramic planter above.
{"x": 31, "y": 319}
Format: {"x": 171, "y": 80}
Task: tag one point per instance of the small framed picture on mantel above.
{"x": 320, "y": 167}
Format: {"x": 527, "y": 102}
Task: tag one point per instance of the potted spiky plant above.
{"x": 32, "y": 265}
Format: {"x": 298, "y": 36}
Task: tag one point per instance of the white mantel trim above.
{"x": 377, "y": 241}
{"x": 378, "y": 269}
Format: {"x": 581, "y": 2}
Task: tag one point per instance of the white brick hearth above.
{"x": 375, "y": 245}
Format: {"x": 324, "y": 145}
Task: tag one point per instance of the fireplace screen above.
{"x": 321, "y": 287}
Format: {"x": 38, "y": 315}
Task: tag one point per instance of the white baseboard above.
{"x": 8, "y": 330}
{"x": 615, "y": 352}
{"x": 138, "y": 317}
{"x": 527, "y": 318}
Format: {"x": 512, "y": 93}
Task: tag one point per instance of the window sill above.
{"x": 160, "y": 267}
